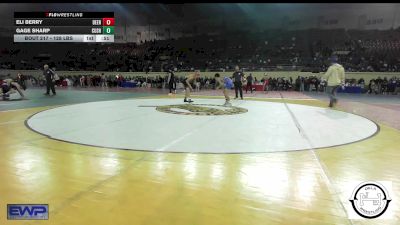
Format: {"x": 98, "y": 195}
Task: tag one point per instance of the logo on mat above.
{"x": 201, "y": 109}
{"x": 370, "y": 199}
{"x": 27, "y": 212}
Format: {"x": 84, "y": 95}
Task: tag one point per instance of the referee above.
{"x": 49, "y": 75}
{"x": 171, "y": 81}
{"x": 238, "y": 77}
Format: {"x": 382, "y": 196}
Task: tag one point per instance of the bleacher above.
{"x": 304, "y": 49}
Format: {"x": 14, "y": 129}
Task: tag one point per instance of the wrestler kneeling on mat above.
{"x": 188, "y": 82}
{"x": 10, "y": 87}
{"x": 225, "y": 84}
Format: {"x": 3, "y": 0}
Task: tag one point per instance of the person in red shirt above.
{"x": 120, "y": 79}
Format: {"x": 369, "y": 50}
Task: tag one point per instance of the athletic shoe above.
{"x": 46, "y": 94}
{"x": 227, "y": 104}
{"x": 190, "y": 100}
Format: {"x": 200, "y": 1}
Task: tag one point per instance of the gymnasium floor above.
{"x": 137, "y": 157}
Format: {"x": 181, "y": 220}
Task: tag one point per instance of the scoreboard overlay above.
{"x": 64, "y": 26}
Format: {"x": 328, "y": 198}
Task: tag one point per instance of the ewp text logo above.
{"x": 27, "y": 212}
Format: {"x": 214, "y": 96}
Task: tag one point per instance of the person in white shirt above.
{"x": 103, "y": 80}
{"x": 82, "y": 81}
{"x": 197, "y": 86}
{"x": 335, "y": 78}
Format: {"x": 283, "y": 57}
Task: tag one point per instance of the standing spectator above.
{"x": 21, "y": 81}
{"x": 207, "y": 84}
{"x": 33, "y": 81}
{"x": 249, "y": 83}
{"x": 103, "y": 80}
{"x": 384, "y": 85}
{"x": 171, "y": 82}
{"x": 316, "y": 82}
{"x": 301, "y": 84}
{"x": 373, "y": 87}
{"x": 82, "y": 81}
{"x": 266, "y": 85}
{"x": 197, "y": 85}
{"x": 50, "y": 78}
{"x": 89, "y": 80}
{"x": 335, "y": 77}
{"x": 238, "y": 77}
{"x": 120, "y": 79}
{"x": 297, "y": 83}
{"x": 397, "y": 88}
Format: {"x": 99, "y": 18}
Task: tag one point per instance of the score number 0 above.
{"x": 108, "y": 21}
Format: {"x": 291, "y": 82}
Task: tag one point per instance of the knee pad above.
{"x": 5, "y": 88}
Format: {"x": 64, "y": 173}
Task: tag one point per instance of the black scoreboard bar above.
{"x": 59, "y": 30}
{"x": 64, "y": 26}
{"x": 55, "y": 22}
{"x": 63, "y": 14}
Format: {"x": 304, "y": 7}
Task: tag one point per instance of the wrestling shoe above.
{"x": 228, "y": 104}
{"x": 190, "y": 100}
{"x": 6, "y": 97}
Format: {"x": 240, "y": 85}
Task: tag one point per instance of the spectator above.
{"x": 249, "y": 83}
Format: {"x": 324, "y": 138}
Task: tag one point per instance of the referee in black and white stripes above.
{"x": 50, "y": 78}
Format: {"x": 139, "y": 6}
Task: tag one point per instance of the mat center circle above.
{"x": 206, "y": 127}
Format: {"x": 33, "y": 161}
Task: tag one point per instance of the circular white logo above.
{"x": 370, "y": 199}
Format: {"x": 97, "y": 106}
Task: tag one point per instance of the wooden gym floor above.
{"x": 93, "y": 185}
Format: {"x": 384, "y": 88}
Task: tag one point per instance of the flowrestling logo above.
{"x": 27, "y": 212}
{"x": 370, "y": 200}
